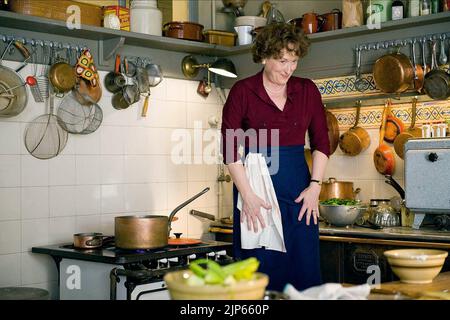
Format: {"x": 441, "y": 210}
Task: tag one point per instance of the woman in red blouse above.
{"x": 270, "y": 113}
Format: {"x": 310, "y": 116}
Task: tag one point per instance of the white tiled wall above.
{"x": 123, "y": 168}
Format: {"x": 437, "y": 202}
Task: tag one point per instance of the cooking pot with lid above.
{"x": 337, "y": 189}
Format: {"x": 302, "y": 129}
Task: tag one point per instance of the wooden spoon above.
{"x": 383, "y": 156}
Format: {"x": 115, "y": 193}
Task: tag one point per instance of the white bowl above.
{"x": 254, "y": 21}
{"x": 242, "y": 290}
{"x": 416, "y": 266}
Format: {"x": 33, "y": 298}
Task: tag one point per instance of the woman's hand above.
{"x": 251, "y": 210}
{"x": 310, "y": 197}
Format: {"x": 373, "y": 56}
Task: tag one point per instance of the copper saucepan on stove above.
{"x": 90, "y": 240}
{"x": 147, "y": 232}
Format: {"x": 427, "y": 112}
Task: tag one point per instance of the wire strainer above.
{"x": 44, "y": 138}
{"x": 95, "y": 121}
{"x": 73, "y": 116}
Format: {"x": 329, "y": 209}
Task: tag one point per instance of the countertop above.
{"x": 438, "y": 289}
{"x": 393, "y": 233}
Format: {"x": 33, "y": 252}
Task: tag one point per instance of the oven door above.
{"x": 151, "y": 291}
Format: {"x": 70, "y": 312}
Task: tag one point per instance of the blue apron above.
{"x": 300, "y": 265}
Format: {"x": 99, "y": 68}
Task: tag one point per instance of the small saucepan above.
{"x": 62, "y": 77}
{"x": 91, "y": 240}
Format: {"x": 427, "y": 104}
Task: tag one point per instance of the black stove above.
{"x": 113, "y": 255}
{"x": 101, "y": 270}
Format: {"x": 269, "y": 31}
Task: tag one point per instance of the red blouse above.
{"x": 249, "y": 107}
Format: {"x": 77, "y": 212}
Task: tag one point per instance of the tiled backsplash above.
{"x": 123, "y": 168}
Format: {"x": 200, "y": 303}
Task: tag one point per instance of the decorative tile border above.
{"x": 370, "y": 117}
{"x": 344, "y": 87}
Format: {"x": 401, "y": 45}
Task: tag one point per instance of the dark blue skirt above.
{"x": 300, "y": 265}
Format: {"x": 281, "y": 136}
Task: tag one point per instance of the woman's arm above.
{"x": 310, "y": 195}
{"x": 251, "y": 209}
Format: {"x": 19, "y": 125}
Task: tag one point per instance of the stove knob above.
{"x": 191, "y": 258}
{"x": 175, "y": 260}
{"x": 220, "y": 254}
{"x": 210, "y": 255}
{"x": 433, "y": 157}
{"x": 163, "y": 263}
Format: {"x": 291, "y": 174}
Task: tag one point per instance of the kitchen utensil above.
{"x": 332, "y": 188}
{"x": 383, "y": 156}
{"x": 222, "y": 38}
{"x": 244, "y": 34}
{"x": 394, "y": 126}
{"x": 178, "y": 241}
{"x": 442, "y": 56}
{"x": 416, "y": 266}
{"x": 62, "y": 77}
{"x": 90, "y": 240}
{"x": 274, "y": 15}
{"x": 437, "y": 82}
{"x": 179, "y": 289}
{"x": 126, "y": 97}
{"x": 115, "y": 81}
{"x": 85, "y": 93}
{"x": 310, "y": 22}
{"x": 419, "y": 75}
{"x": 331, "y": 20}
{"x": 340, "y": 215}
{"x": 360, "y": 84}
{"x": 333, "y": 130}
{"x": 184, "y": 30}
{"x": 95, "y": 120}
{"x": 411, "y": 132}
{"x": 425, "y": 66}
{"x": 356, "y": 139}
{"x": 130, "y": 68}
{"x": 384, "y": 215}
{"x": 393, "y": 73}
{"x": 14, "y": 103}
{"x": 155, "y": 76}
{"x": 73, "y": 116}
{"x": 44, "y": 137}
{"x": 391, "y": 181}
{"x": 30, "y": 80}
{"x": 146, "y": 232}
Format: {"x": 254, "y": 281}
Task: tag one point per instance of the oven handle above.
{"x": 149, "y": 291}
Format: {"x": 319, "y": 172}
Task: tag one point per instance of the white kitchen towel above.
{"x": 271, "y": 237}
{"x": 329, "y": 291}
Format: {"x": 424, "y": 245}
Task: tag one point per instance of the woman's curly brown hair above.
{"x": 275, "y": 37}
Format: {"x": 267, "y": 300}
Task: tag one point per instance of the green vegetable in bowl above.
{"x": 339, "y": 202}
{"x": 223, "y": 275}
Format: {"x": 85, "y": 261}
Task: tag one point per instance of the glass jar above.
{"x": 145, "y": 17}
{"x": 414, "y": 8}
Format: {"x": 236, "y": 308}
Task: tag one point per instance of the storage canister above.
{"x": 145, "y": 17}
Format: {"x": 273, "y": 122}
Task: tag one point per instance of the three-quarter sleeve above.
{"x": 232, "y": 120}
{"x": 318, "y": 129}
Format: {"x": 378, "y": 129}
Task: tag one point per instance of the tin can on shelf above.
{"x": 123, "y": 14}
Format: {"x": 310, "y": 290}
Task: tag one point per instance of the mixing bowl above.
{"x": 416, "y": 266}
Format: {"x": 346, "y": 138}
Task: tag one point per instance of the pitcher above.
{"x": 244, "y": 34}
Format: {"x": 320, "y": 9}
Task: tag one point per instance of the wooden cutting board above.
{"x": 434, "y": 290}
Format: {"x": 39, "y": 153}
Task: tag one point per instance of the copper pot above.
{"x": 393, "y": 73}
{"x": 337, "y": 189}
{"x": 310, "y": 23}
{"x": 184, "y": 30}
{"x": 62, "y": 77}
{"x": 331, "y": 21}
{"x": 146, "y": 232}
{"x": 356, "y": 139}
{"x": 91, "y": 240}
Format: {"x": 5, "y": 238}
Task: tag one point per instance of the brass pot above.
{"x": 393, "y": 73}
{"x": 62, "y": 77}
{"x": 337, "y": 189}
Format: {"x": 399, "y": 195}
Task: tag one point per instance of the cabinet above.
{"x": 347, "y": 261}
